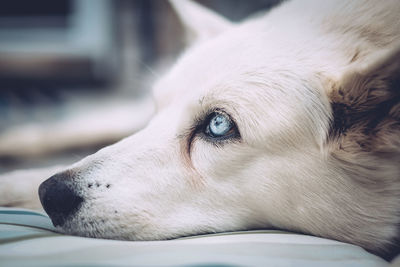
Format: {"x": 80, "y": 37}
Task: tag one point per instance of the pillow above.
{"x": 27, "y": 238}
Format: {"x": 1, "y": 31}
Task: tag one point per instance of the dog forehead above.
{"x": 224, "y": 61}
{"x": 198, "y": 70}
{"x": 250, "y": 71}
{"x": 250, "y": 50}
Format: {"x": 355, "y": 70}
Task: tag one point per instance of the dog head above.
{"x": 253, "y": 129}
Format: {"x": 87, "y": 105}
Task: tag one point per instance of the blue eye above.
{"x": 219, "y": 125}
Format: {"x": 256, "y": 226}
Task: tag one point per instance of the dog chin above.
{"x": 104, "y": 229}
{"x": 92, "y": 230}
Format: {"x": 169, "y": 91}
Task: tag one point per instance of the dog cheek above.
{"x": 221, "y": 162}
{"x": 212, "y": 163}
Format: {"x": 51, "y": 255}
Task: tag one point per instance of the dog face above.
{"x": 184, "y": 174}
{"x": 245, "y": 136}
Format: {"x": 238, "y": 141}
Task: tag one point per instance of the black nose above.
{"x": 58, "y": 199}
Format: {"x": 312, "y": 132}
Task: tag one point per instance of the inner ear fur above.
{"x": 366, "y": 105}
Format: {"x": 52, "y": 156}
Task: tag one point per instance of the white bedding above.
{"x": 27, "y": 239}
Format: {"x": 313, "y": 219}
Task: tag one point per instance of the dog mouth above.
{"x": 113, "y": 228}
{"x": 73, "y": 214}
{"x": 70, "y": 213}
{"x": 98, "y": 228}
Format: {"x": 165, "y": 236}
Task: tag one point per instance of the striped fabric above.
{"x": 27, "y": 238}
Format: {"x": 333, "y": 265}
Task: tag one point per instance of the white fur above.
{"x": 270, "y": 74}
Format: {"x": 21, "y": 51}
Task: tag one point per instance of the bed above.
{"x": 27, "y": 238}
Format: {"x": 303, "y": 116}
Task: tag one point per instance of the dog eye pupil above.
{"x": 219, "y": 125}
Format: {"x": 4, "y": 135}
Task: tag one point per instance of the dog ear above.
{"x": 199, "y": 22}
{"x": 366, "y": 104}
{"x": 364, "y": 139}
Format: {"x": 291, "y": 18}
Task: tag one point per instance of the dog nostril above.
{"x": 58, "y": 200}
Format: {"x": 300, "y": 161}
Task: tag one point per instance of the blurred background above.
{"x": 75, "y": 75}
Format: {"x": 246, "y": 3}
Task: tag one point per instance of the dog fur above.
{"x": 313, "y": 88}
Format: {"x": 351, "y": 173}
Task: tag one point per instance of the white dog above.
{"x": 288, "y": 120}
